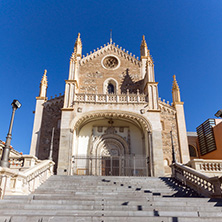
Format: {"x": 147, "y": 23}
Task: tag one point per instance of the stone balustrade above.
{"x": 17, "y": 182}
{"x": 204, "y": 185}
{"x": 207, "y": 167}
{"x": 110, "y": 98}
{"x": 23, "y": 161}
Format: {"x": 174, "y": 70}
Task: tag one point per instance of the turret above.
{"x": 76, "y": 56}
{"x": 147, "y": 72}
{"x": 181, "y": 124}
{"x": 43, "y": 86}
{"x": 73, "y": 81}
{"x": 40, "y": 100}
{"x": 147, "y": 68}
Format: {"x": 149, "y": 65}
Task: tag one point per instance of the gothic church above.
{"x": 110, "y": 120}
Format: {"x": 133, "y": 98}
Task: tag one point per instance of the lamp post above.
{"x": 6, "y": 151}
{"x": 173, "y": 151}
{"x": 218, "y": 113}
{"x": 51, "y": 145}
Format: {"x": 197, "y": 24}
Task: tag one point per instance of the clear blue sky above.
{"x": 184, "y": 38}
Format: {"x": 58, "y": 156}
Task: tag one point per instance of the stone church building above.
{"x": 110, "y": 120}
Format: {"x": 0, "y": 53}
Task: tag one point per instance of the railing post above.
{"x": 127, "y": 95}
{"x": 85, "y": 97}
{"x": 173, "y": 170}
{"x": 217, "y": 187}
{"x": 3, "y": 182}
{"x": 138, "y": 95}
{"x": 106, "y": 98}
{"x": 134, "y": 165}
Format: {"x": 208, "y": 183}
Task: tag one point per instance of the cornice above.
{"x": 150, "y": 83}
{"x": 72, "y": 81}
{"x": 67, "y": 109}
{"x": 41, "y": 98}
{"x": 178, "y": 103}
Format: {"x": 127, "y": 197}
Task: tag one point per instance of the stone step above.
{"x": 109, "y": 213}
{"x": 113, "y": 202}
{"x": 124, "y": 206}
{"x": 106, "y": 219}
{"x": 92, "y": 198}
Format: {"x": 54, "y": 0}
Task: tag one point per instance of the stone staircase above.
{"x": 98, "y": 198}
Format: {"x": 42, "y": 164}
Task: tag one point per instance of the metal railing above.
{"x": 125, "y": 165}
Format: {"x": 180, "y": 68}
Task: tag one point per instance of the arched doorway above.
{"x": 108, "y": 155}
{"x": 112, "y": 144}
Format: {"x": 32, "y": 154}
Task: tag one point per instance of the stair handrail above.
{"x": 202, "y": 184}
{"x": 17, "y": 182}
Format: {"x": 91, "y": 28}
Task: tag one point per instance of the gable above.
{"x": 108, "y": 63}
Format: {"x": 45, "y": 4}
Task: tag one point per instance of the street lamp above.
{"x": 6, "y": 151}
{"x": 218, "y": 113}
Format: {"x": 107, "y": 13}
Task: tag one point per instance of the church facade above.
{"x": 110, "y": 120}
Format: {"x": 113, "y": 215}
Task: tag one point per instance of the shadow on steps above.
{"x": 180, "y": 189}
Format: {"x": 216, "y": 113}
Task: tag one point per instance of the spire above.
{"x": 143, "y": 43}
{"x": 175, "y": 91}
{"x": 144, "y": 51}
{"x": 78, "y": 46}
{"x": 43, "y": 85}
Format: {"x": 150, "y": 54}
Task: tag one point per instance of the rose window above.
{"x": 110, "y": 62}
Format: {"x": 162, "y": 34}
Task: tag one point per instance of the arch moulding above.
{"x": 82, "y": 119}
{"x": 113, "y": 138}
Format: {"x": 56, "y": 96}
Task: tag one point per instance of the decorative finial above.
{"x": 175, "y": 84}
{"x": 175, "y": 91}
{"x": 143, "y": 43}
{"x": 111, "y": 40}
{"x": 78, "y": 47}
{"x": 44, "y": 78}
{"x": 43, "y": 85}
{"x": 144, "y": 51}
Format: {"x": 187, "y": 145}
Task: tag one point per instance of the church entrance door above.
{"x": 110, "y": 166}
{"x": 110, "y": 159}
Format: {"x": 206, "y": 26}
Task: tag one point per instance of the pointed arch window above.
{"x": 110, "y": 88}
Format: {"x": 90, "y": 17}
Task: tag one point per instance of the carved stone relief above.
{"x": 89, "y": 89}
{"x": 94, "y": 75}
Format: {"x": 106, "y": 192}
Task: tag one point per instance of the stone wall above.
{"x": 51, "y": 118}
{"x": 168, "y": 121}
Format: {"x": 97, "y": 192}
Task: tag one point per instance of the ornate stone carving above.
{"x": 110, "y": 130}
{"x": 92, "y": 89}
{"x": 89, "y": 81}
{"x": 94, "y": 75}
